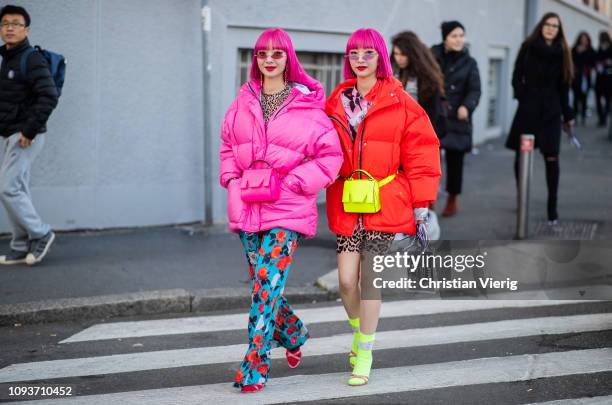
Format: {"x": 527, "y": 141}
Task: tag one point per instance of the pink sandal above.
{"x": 252, "y": 388}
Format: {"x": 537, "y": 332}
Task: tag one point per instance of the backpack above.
{"x": 57, "y": 65}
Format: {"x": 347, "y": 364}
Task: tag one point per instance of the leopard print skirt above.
{"x": 363, "y": 240}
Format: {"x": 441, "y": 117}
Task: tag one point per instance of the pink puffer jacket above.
{"x": 300, "y": 142}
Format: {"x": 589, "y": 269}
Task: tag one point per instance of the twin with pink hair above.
{"x": 276, "y": 38}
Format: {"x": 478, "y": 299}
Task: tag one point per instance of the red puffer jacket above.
{"x": 394, "y": 137}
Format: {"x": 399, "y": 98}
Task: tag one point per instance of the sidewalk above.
{"x": 191, "y": 268}
{"x": 487, "y": 205}
{"x": 166, "y": 269}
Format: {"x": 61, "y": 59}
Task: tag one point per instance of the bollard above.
{"x": 524, "y": 180}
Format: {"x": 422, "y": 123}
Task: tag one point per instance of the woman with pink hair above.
{"x": 385, "y": 136}
{"x": 278, "y": 150}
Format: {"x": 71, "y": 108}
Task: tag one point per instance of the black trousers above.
{"x": 580, "y": 103}
{"x": 454, "y": 171}
{"x": 552, "y": 181}
{"x": 602, "y": 97}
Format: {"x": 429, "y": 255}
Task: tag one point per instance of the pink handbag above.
{"x": 260, "y": 185}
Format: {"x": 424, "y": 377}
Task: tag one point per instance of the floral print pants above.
{"x": 272, "y": 321}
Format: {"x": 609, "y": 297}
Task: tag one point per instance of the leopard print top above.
{"x": 271, "y": 102}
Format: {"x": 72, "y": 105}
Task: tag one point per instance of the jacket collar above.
{"x": 9, "y": 53}
{"x": 386, "y": 95}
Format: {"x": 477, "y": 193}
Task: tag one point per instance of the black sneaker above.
{"x": 39, "y": 248}
{"x": 14, "y": 257}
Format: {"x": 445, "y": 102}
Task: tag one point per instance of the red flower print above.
{"x": 262, "y": 251}
{"x": 263, "y": 369}
{"x": 261, "y": 308}
{"x": 291, "y": 329}
{"x": 281, "y": 237}
{"x": 258, "y": 341}
{"x": 239, "y": 376}
{"x": 251, "y": 271}
{"x": 292, "y": 319}
{"x": 251, "y": 356}
{"x": 256, "y": 361}
{"x": 294, "y": 339}
{"x": 275, "y": 251}
{"x": 262, "y": 274}
{"x": 280, "y": 320}
{"x": 256, "y": 287}
{"x": 264, "y": 295}
{"x": 282, "y": 264}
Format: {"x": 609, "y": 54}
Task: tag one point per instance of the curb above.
{"x": 145, "y": 303}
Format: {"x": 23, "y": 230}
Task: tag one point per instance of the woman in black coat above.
{"x": 543, "y": 72}
{"x": 583, "y": 56}
{"x": 462, "y": 88}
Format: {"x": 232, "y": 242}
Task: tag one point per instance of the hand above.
{"x": 463, "y": 113}
{"x": 568, "y": 125}
{"x": 23, "y": 141}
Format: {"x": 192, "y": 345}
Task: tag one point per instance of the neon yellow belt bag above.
{"x": 363, "y": 195}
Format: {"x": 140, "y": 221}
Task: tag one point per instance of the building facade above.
{"x": 135, "y": 139}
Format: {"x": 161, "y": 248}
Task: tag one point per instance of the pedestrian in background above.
{"x": 387, "y": 135}
{"x": 414, "y": 65}
{"x": 27, "y": 99}
{"x": 542, "y": 74}
{"x": 462, "y": 88}
{"x": 583, "y": 56}
{"x": 278, "y": 150}
{"x": 603, "y": 82}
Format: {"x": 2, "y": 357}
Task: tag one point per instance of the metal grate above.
{"x": 569, "y": 230}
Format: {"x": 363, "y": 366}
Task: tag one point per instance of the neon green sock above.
{"x": 355, "y": 326}
{"x": 363, "y": 361}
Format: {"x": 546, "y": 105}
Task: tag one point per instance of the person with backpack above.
{"x": 27, "y": 99}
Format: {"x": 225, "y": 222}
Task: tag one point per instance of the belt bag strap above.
{"x": 381, "y": 183}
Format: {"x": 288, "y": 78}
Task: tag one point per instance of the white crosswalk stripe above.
{"x": 388, "y": 380}
{"x": 202, "y": 324}
{"x": 440, "y": 373}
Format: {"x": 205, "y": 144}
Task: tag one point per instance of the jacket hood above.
{"x": 386, "y": 87}
{"x": 308, "y": 92}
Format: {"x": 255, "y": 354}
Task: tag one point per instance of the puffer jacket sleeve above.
{"x": 420, "y": 159}
{"x": 44, "y": 95}
{"x": 321, "y": 167}
{"x": 473, "y": 91}
{"x": 228, "y": 167}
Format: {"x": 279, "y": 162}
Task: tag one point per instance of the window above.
{"x": 494, "y": 93}
{"x": 325, "y": 67}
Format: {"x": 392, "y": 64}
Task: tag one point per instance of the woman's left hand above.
{"x": 462, "y": 113}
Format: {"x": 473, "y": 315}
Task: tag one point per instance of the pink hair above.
{"x": 368, "y": 38}
{"x": 276, "y": 38}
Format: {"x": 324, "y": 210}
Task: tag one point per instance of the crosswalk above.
{"x": 421, "y": 345}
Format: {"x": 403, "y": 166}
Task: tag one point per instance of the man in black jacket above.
{"x": 27, "y": 99}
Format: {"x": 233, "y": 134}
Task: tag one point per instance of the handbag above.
{"x": 260, "y": 185}
{"x": 363, "y": 195}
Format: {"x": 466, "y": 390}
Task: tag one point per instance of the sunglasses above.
{"x": 367, "y": 55}
{"x": 274, "y": 54}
